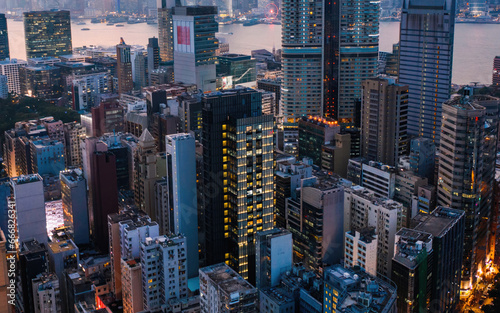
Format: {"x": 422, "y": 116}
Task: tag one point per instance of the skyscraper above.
{"x": 496, "y": 71}
{"x": 4, "y": 39}
{"x": 30, "y": 208}
{"x": 359, "y": 37}
{"x": 145, "y": 173}
{"x": 47, "y": 33}
{"x": 165, "y": 29}
{"x": 10, "y": 68}
{"x": 384, "y": 113}
{"x": 302, "y": 86}
{"x": 153, "y": 55}
{"x": 412, "y": 269}
{"x": 323, "y": 66}
{"x": 237, "y": 176}
{"x": 182, "y": 209}
{"x": 425, "y": 62}
{"x": 274, "y": 253}
{"x": 104, "y": 196}
{"x": 461, "y": 181}
{"x": 195, "y": 45}
{"x": 447, "y": 228}
{"x": 124, "y": 67}
{"x": 74, "y": 203}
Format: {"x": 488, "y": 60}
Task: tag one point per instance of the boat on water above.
{"x": 251, "y": 22}
{"x": 120, "y": 25}
{"x": 152, "y": 22}
{"x": 95, "y": 20}
{"x": 81, "y": 23}
{"x": 85, "y": 28}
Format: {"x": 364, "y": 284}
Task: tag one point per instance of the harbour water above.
{"x": 475, "y": 44}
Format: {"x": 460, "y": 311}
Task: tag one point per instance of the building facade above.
{"x": 384, "y": 118}
{"x": 425, "y": 62}
{"x": 47, "y": 34}
{"x": 194, "y": 46}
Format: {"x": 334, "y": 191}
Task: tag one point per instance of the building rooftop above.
{"x": 72, "y": 175}
{"x": 359, "y": 291}
{"x": 26, "y": 179}
{"x": 411, "y": 247}
{"x": 277, "y": 295}
{"x": 62, "y": 246}
{"x": 438, "y": 222}
{"x": 227, "y": 279}
{"x": 366, "y": 234}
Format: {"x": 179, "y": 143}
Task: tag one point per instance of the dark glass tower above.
{"x": 4, "y": 39}
{"x": 47, "y": 33}
{"x": 237, "y": 177}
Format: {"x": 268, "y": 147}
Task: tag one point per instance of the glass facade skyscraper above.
{"x": 302, "y": 57}
{"x": 4, "y": 39}
{"x": 359, "y": 41}
{"x": 47, "y": 34}
{"x": 238, "y": 177}
{"x": 425, "y": 62}
{"x": 165, "y": 29}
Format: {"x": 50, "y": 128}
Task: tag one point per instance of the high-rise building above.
{"x": 104, "y": 195}
{"x": 108, "y": 117}
{"x": 10, "y": 68}
{"x": 124, "y": 68}
{"x": 47, "y": 157}
{"x": 237, "y": 164}
{"x": 132, "y": 285}
{"x": 314, "y": 132}
{"x": 44, "y": 82}
{"x": 195, "y": 45}
{"x": 86, "y": 87}
{"x": 315, "y": 218}
{"x": 33, "y": 260}
{"x": 4, "y": 39}
{"x": 384, "y": 114}
{"x": 30, "y": 208}
{"x": 425, "y": 62}
{"x": 63, "y": 255}
{"x": 462, "y": 180}
{"x": 47, "y": 33}
{"x": 423, "y": 157}
{"x": 164, "y": 265}
{"x": 222, "y": 287}
{"x": 145, "y": 174}
{"x": 287, "y": 177}
{"x": 73, "y": 135}
{"x": 352, "y": 289}
{"x": 74, "y": 204}
{"x": 447, "y": 228}
{"x": 363, "y": 209}
{"x": 359, "y": 42}
{"x": 412, "y": 270}
{"x": 140, "y": 68}
{"x": 47, "y": 295}
{"x": 360, "y": 249}
{"x": 302, "y": 41}
{"x": 496, "y": 71}
{"x": 374, "y": 176}
{"x": 127, "y": 230}
{"x": 153, "y": 56}
{"x": 274, "y": 256}
{"x": 4, "y": 87}
{"x": 165, "y": 29}
{"x": 406, "y": 188}
{"x": 182, "y": 211}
